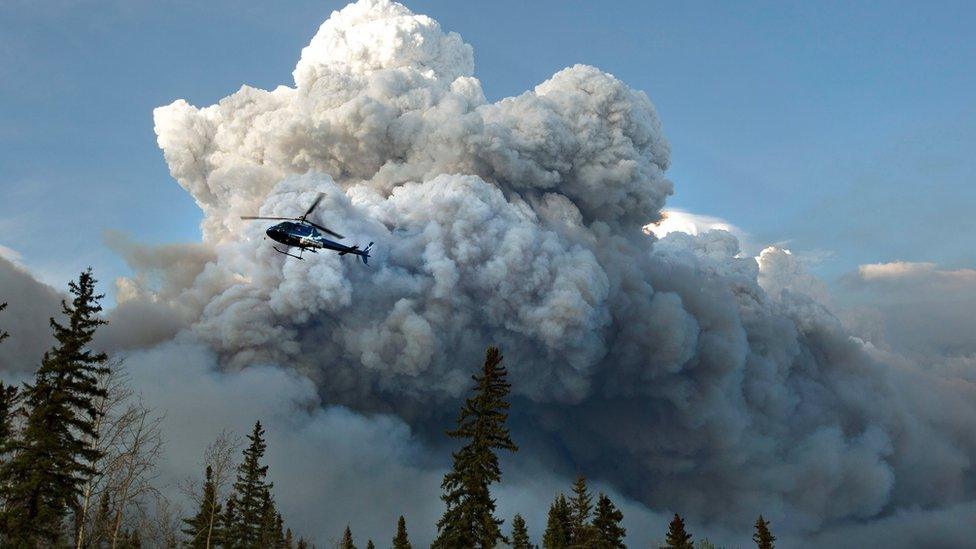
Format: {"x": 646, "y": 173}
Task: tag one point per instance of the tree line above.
{"x": 79, "y": 449}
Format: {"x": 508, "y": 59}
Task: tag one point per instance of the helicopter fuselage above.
{"x": 305, "y": 237}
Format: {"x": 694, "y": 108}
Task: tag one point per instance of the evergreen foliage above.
{"x": 253, "y": 513}
{"x": 369, "y": 544}
{"x": 763, "y": 538}
{"x": 520, "y": 534}
{"x": 557, "y": 534}
{"x": 228, "y": 525}
{"x": 400, "y": 541}
{"x": 346, "y": 542}
{"x": 43, "y": 479}
{"x": 580, "y": 532}
{"x": 677, "y": 537}
{"x": 8, "y": 406}
{"x": 469, "y": 520}
{"x": 202, "y": 529}
{"x": 606, "y": 524}
{"x": 9, "y": 399}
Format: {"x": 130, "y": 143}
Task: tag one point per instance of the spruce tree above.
{"x": 272, "y": 534}
{"x": 369, "y": 544}
{"x": 302, "y": 544}
{"x": 228, "y": 525}
{"x": 3, "y": 333}
{"x": 520, "y": 534}
{"x": 9, "y": 398}
{"x": 289, "y": 539}
{"x": 400, "y": 541}
{"x": 763, "y": 538}
{"x": 557, "y": 534}
{"x": 580, "y": 531}
{"x": 8, "y": 406}
{"x": 50, "y": 463}
{"x": 677, "y": 538}
{"x": 251, "y": 494}
{"x": 469, "y": 520}
{"x": 609, "y": 533}
{"x": 346, "y": 542}
{"x": 202, "y": 529}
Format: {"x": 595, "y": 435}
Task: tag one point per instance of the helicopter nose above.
{"x": 271, "y": 232}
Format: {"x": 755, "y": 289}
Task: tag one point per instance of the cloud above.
{"x": 676, "y": 220}
{"x": 918, "y": 309}
{"x": 672, "y": 370}
{"x": 675, "y": 370}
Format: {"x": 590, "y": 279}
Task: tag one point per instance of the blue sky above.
{"x": 844, "y": 130}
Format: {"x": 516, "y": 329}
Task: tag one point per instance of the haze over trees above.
{"x": 79, "y": 450}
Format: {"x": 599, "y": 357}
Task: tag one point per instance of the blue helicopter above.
{"x": 305, "y": 235}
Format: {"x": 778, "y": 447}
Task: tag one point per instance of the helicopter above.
{"x": 306, "y": 236}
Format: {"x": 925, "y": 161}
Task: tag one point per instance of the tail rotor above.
{"x": 364, "y": 254}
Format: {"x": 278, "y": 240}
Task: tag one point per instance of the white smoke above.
{"x": 673, "y": 370}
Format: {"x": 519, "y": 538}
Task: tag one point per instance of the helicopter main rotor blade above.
{"x": 314, "y": 204}
{"x": 323, "y": 229}
{"x": 265, "y": 217}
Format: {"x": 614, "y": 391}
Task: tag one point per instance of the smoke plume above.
{"x": 671, "y": 370}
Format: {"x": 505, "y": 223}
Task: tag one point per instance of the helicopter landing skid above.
{"x": 299, "y": 256}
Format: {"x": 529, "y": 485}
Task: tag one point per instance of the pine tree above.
{"x": 8, "y": 407}
{"x": 520, "y": 534}
{"x": 557, "y": 534}
{"x": 609, "y": 533}
{"x": 677, "y": 538}
{"x": 401, "y": 541}
{"x": 43, "y": 479}
{"x": 289, "y": 539}
{"x": 9, "y": 398}
{"x": 346, "y": 542}
{"x": 469, "y": 520}
{"x": 228, "y": 526}
{"x": 302, "y": 544}
{"x": 202, "y": 529}
{"x": 271, "y": 524}
{"x": 580, "y": 531}
{"x": 251, "y": 494}
{"x": 763, "y": 538}
{"x": 369, "y": 544}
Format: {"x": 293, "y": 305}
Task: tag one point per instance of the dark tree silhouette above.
{"x": 50, "y": 463}
{"x": 609, "y": 533}
{"x": 763, "y": 538}
{"x": 557, "y": 534}
{"x": 520, "y": 534}
{"x": 677, "y": 537}
{"x": 400, "y": 541}
{"x": 469, "y": 520}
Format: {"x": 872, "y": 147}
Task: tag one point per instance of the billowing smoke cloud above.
{"x": 914, "y": 308}
{"x": 674, "y": 371}
{"x": 29, "y": 306}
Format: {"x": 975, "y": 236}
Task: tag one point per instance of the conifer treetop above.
{"x": 520, "y": 533}
{"x": 763, "y": 537}
{"x": 469, "y": 520}
{"x": 677, "y": 537}
{"x": 401, "y": 541}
